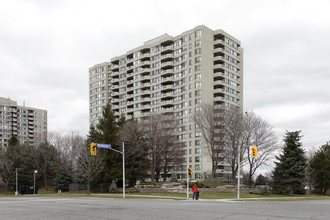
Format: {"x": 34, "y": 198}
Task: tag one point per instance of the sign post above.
{"x": 108, "y": 146}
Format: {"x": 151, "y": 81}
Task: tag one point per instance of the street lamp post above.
{"x": 16, "y": 192}
{"x": 34, "y": 185}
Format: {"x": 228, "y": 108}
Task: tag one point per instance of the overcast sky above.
{"x": 47, "y": 46}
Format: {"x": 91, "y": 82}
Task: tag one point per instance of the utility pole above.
{"x": 16, "y": 193}
{"x": 238, "y": 172}
{"x": 34, "y": 184}
{"x": 187, "y": 176}
{"x": 123, "y": 170}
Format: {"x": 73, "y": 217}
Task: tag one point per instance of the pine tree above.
{"x": 320, "y": 168}
{"x": 63, "y": 178}
{"x": 106, "y": 132}
{"x": 289, "y": 173}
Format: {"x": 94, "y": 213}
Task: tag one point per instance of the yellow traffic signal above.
{"x": 190, "y": 172}
{"x": 254, "y": 151}
{"x": 93, "y": 148}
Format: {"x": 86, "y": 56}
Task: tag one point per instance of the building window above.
{"x": 198, "y": 150}
{"x": 198, "y": 167}
{"x": 198, "y": 142}
{"x": 198, "y": 59}
{"x": 198, "y": 33}
{"x": 198, "y": 101}
{"x": 198, "y": 43}
{"x": 198, "y": 51}
{"x": 198, "y": 159}
{"x": 198, "y": 68}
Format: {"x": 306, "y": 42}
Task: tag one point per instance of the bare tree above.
{"x": 6, "y": 168}
{"x": 257, "y": 132}
{"x": 89, "y": 167}
{"x": 163, "y": 143}
{"x": 68, "y": 146}
{"x": 209, "y": 122}
{"x": 135, "y": 150}
{"x": 46, "y": 160}
{"x": 232, "y": 128}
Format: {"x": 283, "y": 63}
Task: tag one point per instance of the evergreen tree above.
{"x": 106, "y": 132}
{"x": 261, "y": 180}
{"x": 320, "y": 165}
{"x": 289, "y": 172}
{"x": 63, "y": 178}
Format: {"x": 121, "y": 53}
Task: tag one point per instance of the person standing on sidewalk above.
{"x": 194, "y": 189}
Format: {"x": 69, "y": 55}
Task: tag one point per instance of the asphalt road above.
{"x": 109, "y": 208}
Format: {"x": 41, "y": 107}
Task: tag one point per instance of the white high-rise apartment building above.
{"x": 28, "y": 124}
{"x": 173, "y": 74}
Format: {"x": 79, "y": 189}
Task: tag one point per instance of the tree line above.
{"x": 153, "y": 150}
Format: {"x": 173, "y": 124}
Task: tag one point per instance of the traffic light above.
{"x": 189, "y": 172}
{"x": 93, "y": 148}
{"x": 254, "y": 151}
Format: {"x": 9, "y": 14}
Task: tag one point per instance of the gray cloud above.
{"x": 46, "y": 48}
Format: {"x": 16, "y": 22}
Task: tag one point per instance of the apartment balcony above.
{"x": 218, "y": 42}
{"x": 219, "y": 66}
{"x": 219, "y": 98}
{"x": 114, "y": 67}
{"x": 166, "y": 56}
{"x": 115, "y": 94}
{"x": 145, "y": 77}
{"x": 146, "y": 99}
{"x": 164, "y": 110}
{"x": 130, "y": 88}
{"x": 218, "y": 91}
{"x": 218, "y": 75}
{"x": 145, "y": 55}
{"x": 167, "y": 95}
{"x": 145, "y": 70}
{"x": 145, "y": 85}
{"x": 218, "y": 59}
{"x": 130, "y": 95}
{"x": 167, "y": 64}
{"x": 114, "y": 101}
{"x": 115, "y": 80}
{"x": 167, "y": 72}
{"x": 219, "y": 82}
{"x": 168, "y": 87}
{"x": 144, "y": 92}
{"x": 167, "y": 103}
{"x": 145, "y": 107}
{"x": 219, "y": 50}
{"x": 166, "y": 48}
{"x": 145, "y": 63}
{"x": 167, "y": 79}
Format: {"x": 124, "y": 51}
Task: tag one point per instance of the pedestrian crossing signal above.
{"x": 254, "y": 151}
{"x": 93, "y": 148}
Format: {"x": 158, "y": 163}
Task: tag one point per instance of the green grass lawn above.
{"x": 203, "y": 195}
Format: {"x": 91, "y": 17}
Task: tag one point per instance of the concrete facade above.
{"x": 173, "y": 74}
{"x": 28, "y": 124}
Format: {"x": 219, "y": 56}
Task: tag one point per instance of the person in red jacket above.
{"x": 194, "y": 189}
